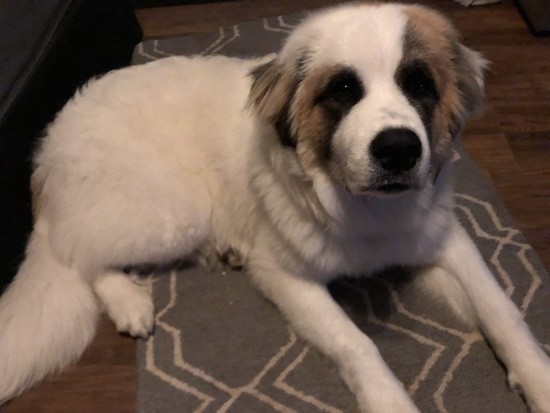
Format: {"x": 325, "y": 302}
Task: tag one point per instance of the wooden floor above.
{"x": 511, "y": 143}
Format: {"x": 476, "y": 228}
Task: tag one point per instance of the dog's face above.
{"x": 371, "y": 95}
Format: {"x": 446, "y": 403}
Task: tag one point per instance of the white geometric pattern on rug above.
{"x": 234, "y": 393}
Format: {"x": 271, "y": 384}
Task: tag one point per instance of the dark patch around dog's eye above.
{"x": 418, "y": 86}
{"x": 417, "y": 82}
{"x": 342, "y": 91}
{"x": 282, "y": 125}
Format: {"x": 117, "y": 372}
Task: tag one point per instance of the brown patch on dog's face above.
{"x": 305, "y": 106}
{"x": 323, "y": 98}
{"x": 432, "y": 49}
{"x": 272, "y": 90}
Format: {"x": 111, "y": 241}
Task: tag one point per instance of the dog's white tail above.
{"x": 48, "y": 316}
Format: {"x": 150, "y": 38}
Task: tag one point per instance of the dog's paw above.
{"x": 387, "y": 396}
{"x": 513, "y": 382}
{"x": 539, "y": 403}
{"x": 134, "y": 316}
{"x": 128, "y": 304}
{"x": 396, "y": 404}
{"x": 535, "y": 389}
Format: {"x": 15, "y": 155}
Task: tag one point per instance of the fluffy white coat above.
{"x": 150, "y": 163}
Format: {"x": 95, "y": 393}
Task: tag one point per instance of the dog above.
{"x": 331, "y": 157}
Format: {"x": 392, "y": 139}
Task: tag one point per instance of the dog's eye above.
{"x": 343, "y": 88}
{"x": 417, "y": 82}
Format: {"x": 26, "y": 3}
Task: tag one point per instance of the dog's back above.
{"x": 138, "y": 151}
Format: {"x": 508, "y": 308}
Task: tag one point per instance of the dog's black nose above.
{"x": 396, "y": 149}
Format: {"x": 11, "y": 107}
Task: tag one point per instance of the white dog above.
{"x": 331, "y": 157}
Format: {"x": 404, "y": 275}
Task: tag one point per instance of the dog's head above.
{"x": 371, "y": 95}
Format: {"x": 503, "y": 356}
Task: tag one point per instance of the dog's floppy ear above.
{"x": 470, "y": 66}
{"x": 271, "y": 94}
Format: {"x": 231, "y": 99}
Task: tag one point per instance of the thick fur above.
{"x": 273, "y": 158}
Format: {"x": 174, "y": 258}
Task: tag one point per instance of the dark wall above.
{"x": 71, "y": 41}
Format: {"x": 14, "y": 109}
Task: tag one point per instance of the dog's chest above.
{"x": 355, "y": 246}
{"x": 367, "y": 254}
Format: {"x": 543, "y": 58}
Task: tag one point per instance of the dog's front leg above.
{"x": 499, "y": 319}
{"x": 317, "y": 318}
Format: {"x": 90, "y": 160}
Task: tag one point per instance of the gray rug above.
{"x": 219, "y": 346}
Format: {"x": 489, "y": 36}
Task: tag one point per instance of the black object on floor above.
{"x": 47, "y": 50}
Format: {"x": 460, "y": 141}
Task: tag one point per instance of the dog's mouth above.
{"x": 393, "y": 188}
{"x": 383, "y": 189}
{"x": 384, "y": 185}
